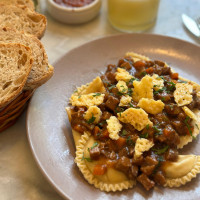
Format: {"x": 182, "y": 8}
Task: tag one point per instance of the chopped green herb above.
{"x": 96, "y": 94}
{"x": 124, "y": 132}
{"x": 129, "y": 141}
{"x": 181, "y": 81}
{"x": 87, "y": 159}
{"x": 197, "y": 126}
{"x": 131, "y": 105}
{"x": 91, "y": 120}
{"x": 94, "y": 145}
{"x": 102, "y": 123}
{"x": 132, "y": 79}
{"x": 157, "y": 130}
{"x": 160, "y": 160}
{"x": 130, "y": 91}
{"x": 147, "y": 126}
{"x": 163, "y": 99}
{"x": 111, "y": 87}
{"x": 143, "y": 73}
{"x": 144, "y": 135}
{"x": 104, "y": 81}
{"x": 162, "y": 77}
{"x": 79, "y": 97}
{"x": 188, "y": 126}
{"x": 161, "y": 151}
{"x": 172, "y": 86}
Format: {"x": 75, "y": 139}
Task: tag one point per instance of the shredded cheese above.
{"x": 125, "y": 100}
{"x": 151, "y": 106}
{"x": 189, "y": 113}
{"x": 87, "y": 99}
{"x": 158, "y": 83}
{"x": 114, "y": 127}
{"x": 122, "y": 87}
{"x": 122, "y": 75}
{"x": 143, "y": 88}
{"x": 182, "y": 94}
{"x": 93, "y": 111}
{"x": 136, "y": 117}
{"x": 141, "y": 146}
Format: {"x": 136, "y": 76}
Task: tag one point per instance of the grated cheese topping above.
{"x": 122, "y": 75}
{"x": 141, "y": 146}
{"x": 151, "y": 106}
{"x": 182, "y": 94}
{"x": 143, "y": 88}
{"x": 87, "y": 100}
{"x": 122, "y": 87}
{"x": 93, "y": 112}
{"x": 125, "y": 100}
{"x": 136, "y": 117}
{"x": 114, "y": 127}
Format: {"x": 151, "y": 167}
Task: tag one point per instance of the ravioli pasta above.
{"x": 129, "y": 123}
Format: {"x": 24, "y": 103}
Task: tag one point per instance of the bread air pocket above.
{"x": 99, "y": 173}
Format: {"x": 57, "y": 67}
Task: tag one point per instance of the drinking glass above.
{"x": 132, "y": 15}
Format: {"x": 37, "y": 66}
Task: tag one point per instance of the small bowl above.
{"x": 73, "y": 15}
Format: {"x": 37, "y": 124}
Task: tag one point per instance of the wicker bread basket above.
{"x": 10, "y": 113}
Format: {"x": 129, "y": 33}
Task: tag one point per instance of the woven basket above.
{"x": 10, "y": 113}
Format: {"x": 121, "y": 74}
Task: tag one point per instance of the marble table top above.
{"x": 20, "y": 177}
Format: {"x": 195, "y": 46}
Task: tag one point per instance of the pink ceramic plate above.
{"x": 49, "y": 131}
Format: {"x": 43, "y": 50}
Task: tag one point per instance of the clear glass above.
{"x": 132, "y": 15}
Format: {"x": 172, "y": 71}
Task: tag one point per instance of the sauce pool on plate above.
{"x": 73, "y": 3}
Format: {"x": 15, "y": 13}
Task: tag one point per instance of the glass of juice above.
{"x": 132, "y": 15}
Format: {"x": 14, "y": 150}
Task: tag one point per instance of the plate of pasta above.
{"x": 120, "y": 119}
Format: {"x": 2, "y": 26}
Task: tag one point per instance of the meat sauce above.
{"x": 73, "y": 3}
{"x": 165, "y": 133}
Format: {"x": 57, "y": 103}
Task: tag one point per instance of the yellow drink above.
{"x": 132, "y": 15}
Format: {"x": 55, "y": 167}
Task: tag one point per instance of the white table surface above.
{"x": 20, "y": 177}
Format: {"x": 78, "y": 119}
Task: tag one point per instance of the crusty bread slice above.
{"x": 36, "y": 81}
{"x": 15, "y": 66}
{"x": 40, "y": 71}
{"x": 22, "y": 19}
{"x": 27, "y": 3}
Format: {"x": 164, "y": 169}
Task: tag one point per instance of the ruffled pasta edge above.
{"x": 108, "y": 187}
{"x": 177, "y": 182}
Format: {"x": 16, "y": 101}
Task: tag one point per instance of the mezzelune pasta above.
{"x": 132, "y": 142}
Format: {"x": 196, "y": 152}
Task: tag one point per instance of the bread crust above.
{"x": 16, "y": 62}
{"x": 27, "y": 3}
{"x": 40, "y": 71}
{"x": 22, "y": 19}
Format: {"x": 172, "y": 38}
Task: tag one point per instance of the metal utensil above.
{"x": 192, "y": 25}
{"x": 198, "y": 22}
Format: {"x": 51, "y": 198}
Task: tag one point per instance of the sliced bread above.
{"x": 15, "y": 66}
{"x": 40, "y": 72}
{"x": 27, "y": 3}
{"x": 22, "y": 19}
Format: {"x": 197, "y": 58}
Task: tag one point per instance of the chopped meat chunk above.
{"x": 94, "y": 153}
{"x": 133, "y": 172}
{"x": 148, "y": 170}
{"x": 159, "y": 178}
{"x": 112, "y": 103}
{"x": 171, "y": 155}
{"x": 123, "y": 164}
{"x": 173, "y": 109}
{"x": 145, "y": 181}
